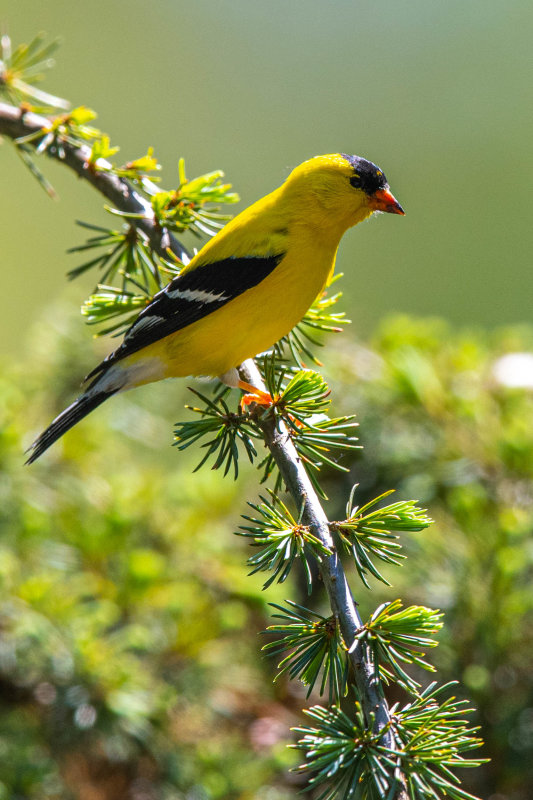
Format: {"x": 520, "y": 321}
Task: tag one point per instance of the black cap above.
{"x": 367, "y": 175}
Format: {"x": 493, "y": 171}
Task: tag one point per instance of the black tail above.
{"x": 69, "y": 417}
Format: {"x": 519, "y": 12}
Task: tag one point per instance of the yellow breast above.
{"x": 252, "y": 322}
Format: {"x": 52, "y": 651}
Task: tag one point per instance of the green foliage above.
{"x": 69, "y": 127}
{"x": 282, "y": 539}
{"x": 22, "y": 68}
{"x": 316, "y": 646}
{"x": 397, "y": 635}
{"x": 128, "y": 260}
{"x": 139, "y": 168}
{"x": 306, "y": 395}
{"x": 353, "y": 762}
{"x": 120, "y": 597}
{"x": 134, "y": 535}
{"x": 110, "y": 303}
{"x": 433, "y": 738}
{"x": 299, "y": 404}
{"x": 365, "y": 532}
{"x": 226, "y": 428}
{"x": 101, "y": 149}
{"x": 315, "y": 441}
{"x": 126, "y": 255}
{"x": 189, "y": 207}
{"x": 450, "y": 418}
{"x": 343, "y": 751}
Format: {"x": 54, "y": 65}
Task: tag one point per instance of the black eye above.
{"x": 356, "y": 181}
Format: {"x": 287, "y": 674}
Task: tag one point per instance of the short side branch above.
{"x": 16, "y": 123}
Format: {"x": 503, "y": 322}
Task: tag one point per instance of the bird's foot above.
{"x": 254, "y": 395}
{"x": 261, "y": 398}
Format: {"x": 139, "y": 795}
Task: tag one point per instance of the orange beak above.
{"x": 383, "y": 200}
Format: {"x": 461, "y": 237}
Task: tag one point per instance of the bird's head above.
{"x": 343, "y": 189}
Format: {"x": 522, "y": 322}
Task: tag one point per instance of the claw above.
{"x": 261, "y": 398}
{"x": 254, "y": 395}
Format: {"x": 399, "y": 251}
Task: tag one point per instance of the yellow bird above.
{"x": 245, "y": 289}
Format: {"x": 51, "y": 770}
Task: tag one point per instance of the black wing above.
{"x": 189, "y": 297}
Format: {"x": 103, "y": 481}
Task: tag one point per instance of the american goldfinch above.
{"x": 245, "y": 289}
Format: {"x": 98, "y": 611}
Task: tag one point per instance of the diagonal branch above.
{"x": 16, "y": 123}
{"x": 294, "y": 475}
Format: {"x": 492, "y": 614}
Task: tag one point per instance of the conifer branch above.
{"x": 295, "y": 477}
{"x": 16, "y": 123}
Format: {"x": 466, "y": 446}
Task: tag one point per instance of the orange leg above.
{"x": 254, "y": 395}
{"x": 261, "y": 398}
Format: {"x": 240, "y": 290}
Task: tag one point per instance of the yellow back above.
{"x": 316, "y": 200}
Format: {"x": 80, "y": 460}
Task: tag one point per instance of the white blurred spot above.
{"x": 45, "y": 693}
{"x": 514, "y": 370}
{"x": 85, "y": 716}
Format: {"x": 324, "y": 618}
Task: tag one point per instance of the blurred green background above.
{"x": 438, "y": 94}
{"x": 129, "y": 664}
